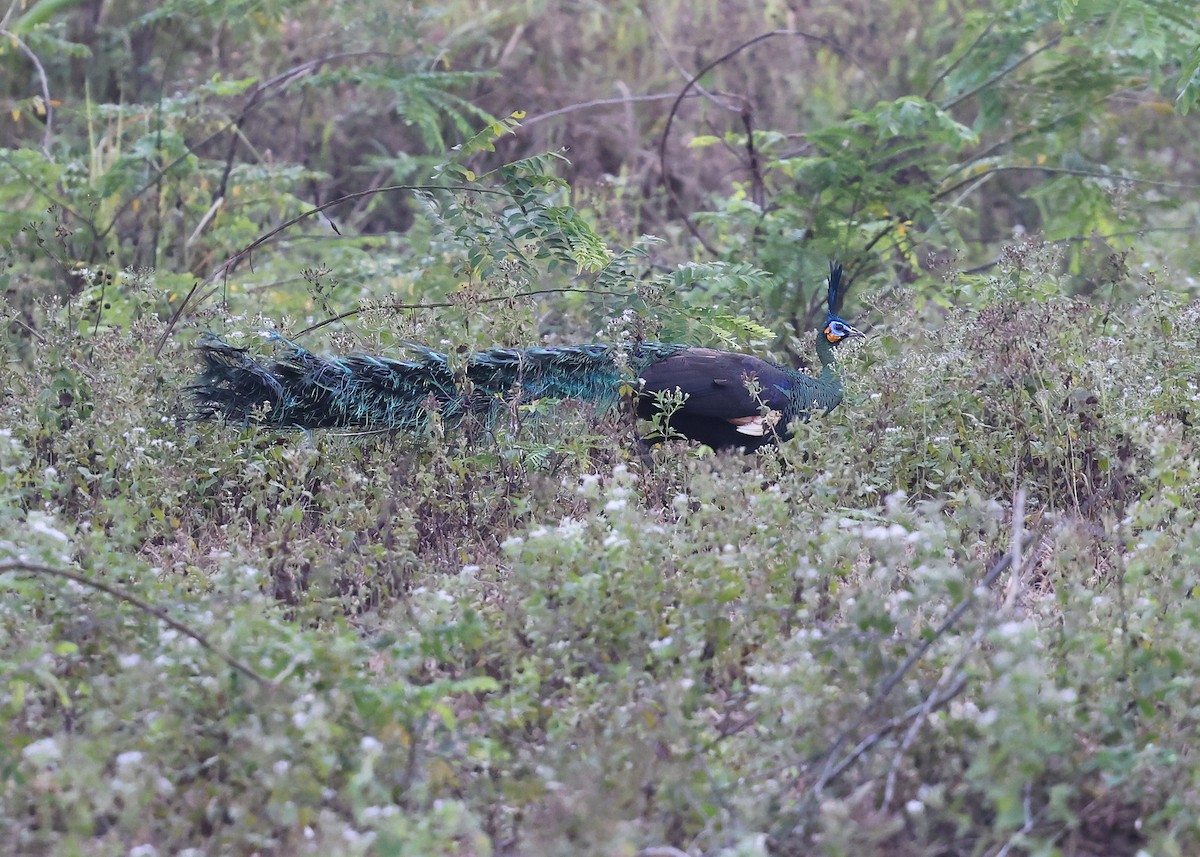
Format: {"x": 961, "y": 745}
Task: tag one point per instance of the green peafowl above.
{"x": 729, "y": 399}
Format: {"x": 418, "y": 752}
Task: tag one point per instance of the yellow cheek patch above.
{"x": 831, "y": 336}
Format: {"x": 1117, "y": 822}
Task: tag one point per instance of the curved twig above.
{"x": 225, "y": 268}
{"x": 937, "y": 81}
{"x": 256, "y": 98}
{"x": 694, "y": 82}
{"x": 350, "y": 313}
{"x": 146, "y": 607}
{"x": 1000, "y": 75}
{"x": 1061, "y": 171}
{"x": 599, "y": 102}
{"x": 833, "y": 766}
{"x": 41, "y": 75}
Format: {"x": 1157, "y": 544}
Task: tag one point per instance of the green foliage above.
{"x": 1021, "y": 116}
{"x": 956, "y": 615}
{"x": 1189, "y": 93}
{"x": 462, "y": 632}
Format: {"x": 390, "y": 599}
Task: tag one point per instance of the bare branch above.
{"x": 146, "y": 607}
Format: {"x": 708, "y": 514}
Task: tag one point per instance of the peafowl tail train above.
{"x": 303, "y": 390}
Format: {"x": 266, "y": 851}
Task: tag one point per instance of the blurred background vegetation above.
{"x": 528, "y": 639}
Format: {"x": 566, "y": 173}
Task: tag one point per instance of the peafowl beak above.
{"x": 837, "y": 330}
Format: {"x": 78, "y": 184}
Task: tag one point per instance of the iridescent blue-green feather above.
{"x": 303, "y": 390}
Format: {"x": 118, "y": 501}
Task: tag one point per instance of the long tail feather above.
{"x": 302, "y": 390}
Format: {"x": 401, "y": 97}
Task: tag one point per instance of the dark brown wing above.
{"x": 719, "y": 409}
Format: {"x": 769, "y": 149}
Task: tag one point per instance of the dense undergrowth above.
{"x": 955, "y": 616}
{"x": 535, "y": 640}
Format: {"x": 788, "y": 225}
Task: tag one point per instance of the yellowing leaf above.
{"x": 701, "y": 141}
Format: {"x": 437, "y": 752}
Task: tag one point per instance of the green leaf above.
{"x": 1189, "y": 93}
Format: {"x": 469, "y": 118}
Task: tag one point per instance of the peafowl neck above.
{"x": 822, "y": 393}
{"x": 829, "y": 374}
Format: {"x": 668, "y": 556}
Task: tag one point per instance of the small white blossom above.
{"x": 129, "y": 758}
{"x": 1012, "y": 629}
{"x": 43, "y": 752}
{"x": 612, "y": 540}
{"x": 40, "y": 523}
{"x": 570, "y": 527}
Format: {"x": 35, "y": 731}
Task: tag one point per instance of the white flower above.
{"x": 1012, "y": 629}
{"x": 129, "y": 758}
{"x": 612, "y": 540}
{"x": 43, "y": 752}
{"x": 570, "y": 527}
{"x": 40, "y": 523}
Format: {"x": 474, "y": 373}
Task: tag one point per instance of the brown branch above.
{"x": 146, "y": 607}
{"x": 694, "y": 82}
{"x": 223, "y": 270}
{"x": 892, "y": 681}
{"x": 350, "y": 313}
{"x": 1000, "y": 75}
{"x": 255, "y": 99}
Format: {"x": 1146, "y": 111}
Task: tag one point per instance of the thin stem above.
{"x": 146, "y": 607}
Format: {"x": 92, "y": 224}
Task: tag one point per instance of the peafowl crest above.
{"x": 723, "y": 399}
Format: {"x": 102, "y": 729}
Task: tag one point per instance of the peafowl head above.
{"x": 837, "y": 329}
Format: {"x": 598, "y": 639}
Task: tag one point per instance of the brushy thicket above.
{"x": 954, "y": 616}
{"x": 477, "y": 647}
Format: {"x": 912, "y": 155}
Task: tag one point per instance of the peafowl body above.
{"x": 730, "y": 399}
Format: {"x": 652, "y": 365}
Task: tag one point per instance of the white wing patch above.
{"x": 757, "y": 425}
{"x": 755, "y": 428}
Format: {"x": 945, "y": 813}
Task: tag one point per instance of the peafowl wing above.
{"x": 719, "y": 410}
